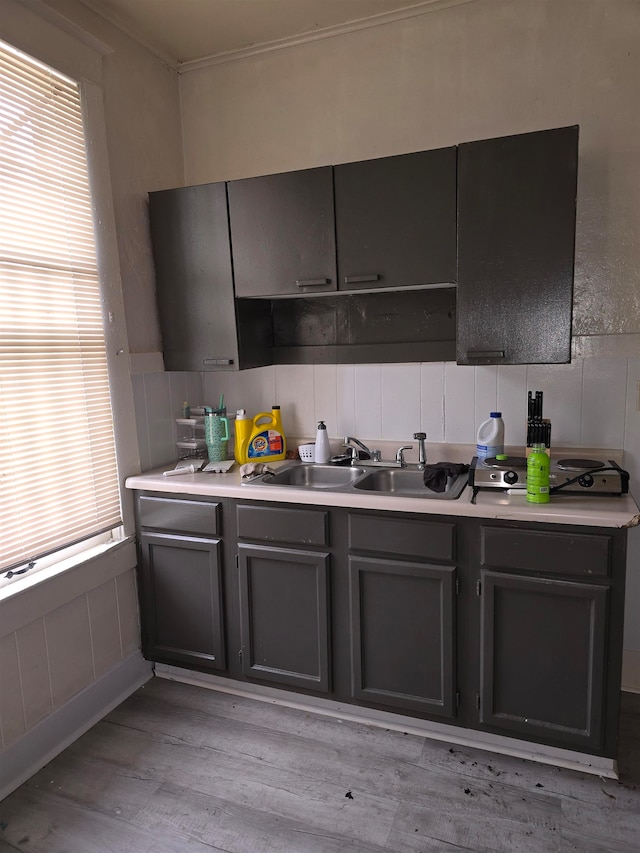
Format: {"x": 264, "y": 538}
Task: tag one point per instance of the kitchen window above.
{"x": 59, "y": 490}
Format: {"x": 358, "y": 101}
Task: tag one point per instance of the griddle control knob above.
{"x": 586, "y": 481}
{"x": 510, "y": 477}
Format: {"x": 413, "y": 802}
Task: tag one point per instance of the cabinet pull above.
{"x": 312, "y": 282}
{"x": 489, "y": 353}
{"x": 360, "y": 279}
{"x": 217, "y": 361}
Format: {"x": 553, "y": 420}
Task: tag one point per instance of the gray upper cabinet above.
{"x": 396, "y": 220}
{"x": 194, "y": 284}
{"x": 516, "y": 232}
{"x": 282, "y": 233}
{"x": 496, "y": 216}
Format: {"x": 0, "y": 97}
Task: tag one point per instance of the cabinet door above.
{"x": 543, "y": 658}
{"x": 182, "y": 600}
{"x": 402, "y": 630}
{"x": 194, "y": 284}
{"x": 283, "y": 233}
{"x": 396, "y": 220}
{"x": 516, "y": 231}
{"x": 284, "y": 601}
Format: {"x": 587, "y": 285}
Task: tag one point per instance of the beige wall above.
{"x": 62, "y": 636}
{"x": 487, "y": 68}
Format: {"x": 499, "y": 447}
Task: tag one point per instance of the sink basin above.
{"x": 307, "y": 476}
{"x": 408, "y": 482}
{"x": 399, "y": 482}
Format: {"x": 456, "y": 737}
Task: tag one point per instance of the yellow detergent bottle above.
{"x": 267, "y": 442}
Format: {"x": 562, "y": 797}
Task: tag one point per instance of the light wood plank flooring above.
{"x": 183, "y": 769}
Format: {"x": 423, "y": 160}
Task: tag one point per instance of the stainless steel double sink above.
{"x": 393, "y": 481}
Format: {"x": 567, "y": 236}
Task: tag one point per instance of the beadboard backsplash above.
{"x": 591, "y": 402}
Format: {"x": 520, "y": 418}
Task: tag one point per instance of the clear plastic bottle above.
{"x": 490, "y": 438}
{"x": 538, "y": 475}
{"x": 323, "y": 451}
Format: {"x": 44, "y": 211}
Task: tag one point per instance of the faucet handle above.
{"x": 400, "y": 454}
{"x": 420, "y": 436}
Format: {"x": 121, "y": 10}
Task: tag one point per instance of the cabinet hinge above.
{"x": 458, "y": 586}
{"x": 479, "y": 588}
{"x": 478, "y": 701}
{"x": 237, "y": 561}
{"x": 240, "y": 655}
{"x": 458, "y": 698}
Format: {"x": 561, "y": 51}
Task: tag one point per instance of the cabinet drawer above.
{"x": 405, "y": 537}
{"x": 574, "y": 554}
{"x": 280, "y": 524}
{"x": 180, "y": 515}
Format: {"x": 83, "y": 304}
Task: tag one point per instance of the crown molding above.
{"x": 138, "y": 36}
{"x": 423, "y": 8}
{"x": 43, "y": 10}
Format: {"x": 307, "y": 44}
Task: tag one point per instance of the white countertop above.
{"x": 592, "y": 511}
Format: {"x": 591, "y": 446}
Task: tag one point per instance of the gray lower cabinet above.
{"x": 402, "y": 634}
{"x": 542, "y": 658}
{"x": 284, "y": 615}
{"x": 181, "y": 582}
{"x": 514, "y": 629}
{"x": 284, "y": 582}
{"x": 403, "y": 612}
{"x": 551, "y": 614}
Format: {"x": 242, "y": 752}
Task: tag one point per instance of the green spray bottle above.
{"x": 538, "y": 475}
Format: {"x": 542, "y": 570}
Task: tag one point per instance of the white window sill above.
{"x": 61, "y": 562}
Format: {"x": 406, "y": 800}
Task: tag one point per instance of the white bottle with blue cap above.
{"x": 490, "y": 439}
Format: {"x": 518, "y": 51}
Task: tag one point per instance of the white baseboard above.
{"x": 61, "y": 728}
{"x": 631, "y": 671}
{"x": 595, "y": 764}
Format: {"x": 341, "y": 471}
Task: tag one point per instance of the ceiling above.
{"x": 183, "y": 31}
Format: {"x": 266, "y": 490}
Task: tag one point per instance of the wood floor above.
{"x": 183, "y": 769}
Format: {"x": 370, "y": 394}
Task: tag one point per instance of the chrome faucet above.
{"x": 360, "y": 448}
{"x": 400, "y": 454}
{"x": 422, "y": 452}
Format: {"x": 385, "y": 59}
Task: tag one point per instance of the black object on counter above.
{"x": 436, "y": 474}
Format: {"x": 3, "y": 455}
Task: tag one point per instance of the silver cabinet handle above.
{"x": 312, "y": 282}
{"x": 495, "y": 353}
{"x": 361, "y": 279}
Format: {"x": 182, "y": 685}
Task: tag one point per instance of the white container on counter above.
{"x": 490, "y": 438}
{"x": 323, "y": 451}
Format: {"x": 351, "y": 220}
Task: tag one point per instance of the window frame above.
{"x": 115, "y": 331}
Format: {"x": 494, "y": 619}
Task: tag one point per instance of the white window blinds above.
{"x": 58, "y": 476}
